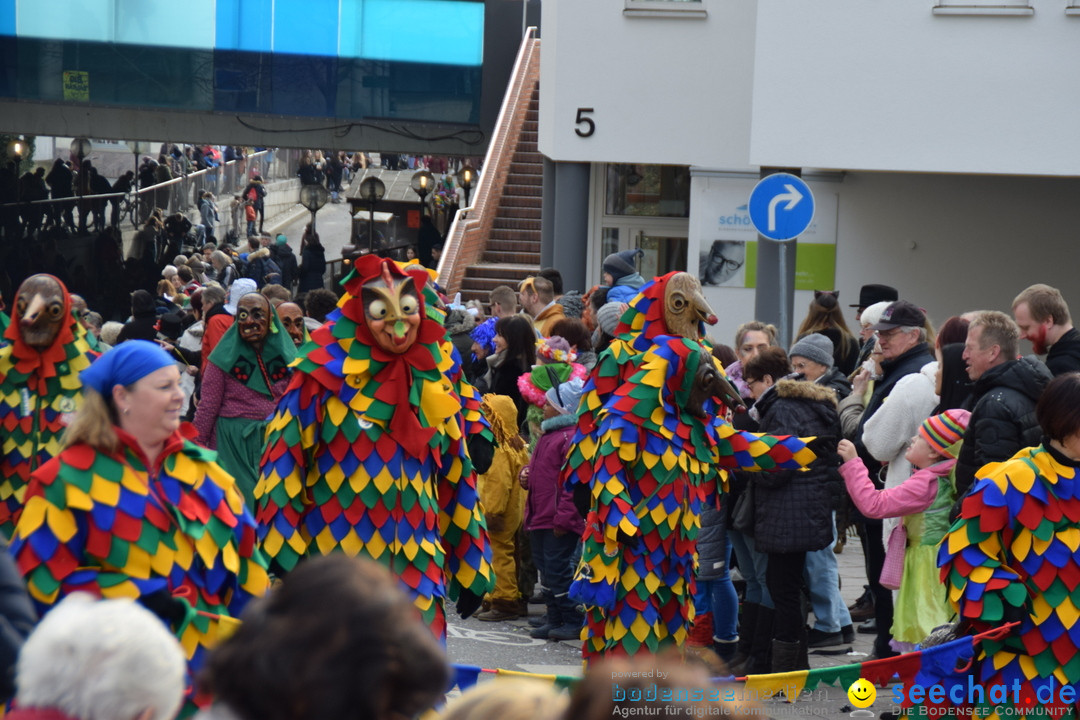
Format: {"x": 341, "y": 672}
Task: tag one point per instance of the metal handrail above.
{"x": 140, "y": 191}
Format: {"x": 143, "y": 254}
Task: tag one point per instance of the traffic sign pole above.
{"x": 781, "y": 207}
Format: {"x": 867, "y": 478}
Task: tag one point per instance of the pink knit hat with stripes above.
{"x": 942, "y": 432}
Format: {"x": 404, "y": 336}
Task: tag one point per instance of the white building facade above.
{"x": 939, "y": 137}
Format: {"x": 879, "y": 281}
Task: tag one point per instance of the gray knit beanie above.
{"x": 815, "y": 347}
{"x": 621, "y": 264}
{"x": 607, "y": 317}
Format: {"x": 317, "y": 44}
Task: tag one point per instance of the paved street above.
{"x": 507, "y": 645}
{"x": 333, "y": 224}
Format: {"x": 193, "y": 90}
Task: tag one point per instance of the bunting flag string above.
{"x": 944, "y": 664}
{"x": 941, "y": 664}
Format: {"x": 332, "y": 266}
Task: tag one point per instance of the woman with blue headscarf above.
{"x": 132, "y": 508}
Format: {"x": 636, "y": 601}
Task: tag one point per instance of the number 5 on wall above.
{"x": 589, "y": 126}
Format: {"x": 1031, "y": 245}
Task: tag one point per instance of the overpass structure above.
{"x": 416, "y": 76}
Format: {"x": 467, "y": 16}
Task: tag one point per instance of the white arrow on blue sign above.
{"x": 781, "y": 206}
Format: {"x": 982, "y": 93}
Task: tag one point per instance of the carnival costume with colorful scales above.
{"x": 1013, "y": 555}
{"x": 366, "y": 453}
{"x": 109, "y": 525}
{"x": 45, "y": 349}
{"x": 650, "y": 443}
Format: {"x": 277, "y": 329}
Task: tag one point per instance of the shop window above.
{"x": 647, "y": 190}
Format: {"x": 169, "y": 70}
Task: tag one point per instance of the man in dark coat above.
{"x": 99, "y": 185}
{"x": 1003, "y": 398}
{"x": 285, "y": 259}
{"x": 142, "y": 325}
{"x": 123, "y": 184}
{"x": 61, "y": 182}
{"x": 1043, "y": 318}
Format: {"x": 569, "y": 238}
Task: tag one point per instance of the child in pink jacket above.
{"x": 923, "y": 500}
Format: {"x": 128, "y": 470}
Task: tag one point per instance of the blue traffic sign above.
{"x": 781, "y": 206}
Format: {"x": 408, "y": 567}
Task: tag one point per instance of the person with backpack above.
{"x": 260, "y": 266}
{"x": 254, "y": 194}
{"x": 285, "y": 259}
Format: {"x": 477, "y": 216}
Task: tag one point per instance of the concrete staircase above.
{"x": 512, "y": 252}
{"x": 496, "y": 241}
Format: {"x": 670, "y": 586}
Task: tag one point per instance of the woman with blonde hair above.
{"x": 136, "y": 510}
{"x": 224, "y": 270}
{"x": 750, "y": 339}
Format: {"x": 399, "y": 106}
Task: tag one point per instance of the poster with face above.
{"x": 723, "y": 263}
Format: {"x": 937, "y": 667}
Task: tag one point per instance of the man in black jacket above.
{"x": 1043, "y": 318}
{"x": 283, "y": 255}
{"x": 1003, "y": 398}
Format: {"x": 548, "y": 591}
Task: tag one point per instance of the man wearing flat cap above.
{"x": 901, "y": 400}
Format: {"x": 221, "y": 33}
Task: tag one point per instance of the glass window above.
{"x": 647, "y": 190}
{"x": 609, "y": 243}
{"x": 662, "y": 255}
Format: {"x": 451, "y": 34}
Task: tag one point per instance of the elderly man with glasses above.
{"x": 907, "y": 383}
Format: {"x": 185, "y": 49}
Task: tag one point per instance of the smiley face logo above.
{"x": 862, "y": 693}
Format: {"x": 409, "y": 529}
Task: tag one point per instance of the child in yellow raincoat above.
{"x": 503, "y": 501}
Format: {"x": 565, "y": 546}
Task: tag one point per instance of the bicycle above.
{"x": 128, "y": 205}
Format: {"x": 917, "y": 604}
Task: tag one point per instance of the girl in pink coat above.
{"x": 923, "y": 500}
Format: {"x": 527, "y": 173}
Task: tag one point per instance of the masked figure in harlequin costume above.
{"x": 650, "y": 438}
{"x": 367, "y": 450}
{"x": 247, "y": 373}
{"x": 45, "y": 349}
{"x": 1012, "y": 555}
{"x": 132, "y": 508}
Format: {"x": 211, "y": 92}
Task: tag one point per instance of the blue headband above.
{"x": 125, "y": 364}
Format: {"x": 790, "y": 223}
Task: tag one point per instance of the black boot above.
{"x": 804, "y": 650}
{"x": 758, "y": 662}
{"x": 785, "y": 656}
{"x": 725, "y": 650}
{"x": 746, "y": 634}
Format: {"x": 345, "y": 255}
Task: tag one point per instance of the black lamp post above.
{"x": 313, "y": 197}
{"x": 466, "y": 177}
{"x": 421, "y": 183}
{"x": 80, "y": 148}
{"x": 372, "y": 189}
{"x": 16, "y": 149}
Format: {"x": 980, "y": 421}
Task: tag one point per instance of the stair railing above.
{"x": 467, "y": 237}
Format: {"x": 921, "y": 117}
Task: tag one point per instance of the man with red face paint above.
{"x": 46, "y": 348}
{"x": 367, "y": 451}
{"x": 1043, "y": 317}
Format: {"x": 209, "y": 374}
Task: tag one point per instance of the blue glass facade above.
{"x": 348, "y": 59}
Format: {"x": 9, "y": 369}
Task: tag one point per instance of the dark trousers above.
{"x": 554, "y": 559}
{"x": 874, "y": 552}
{"x": 784, "y": 578}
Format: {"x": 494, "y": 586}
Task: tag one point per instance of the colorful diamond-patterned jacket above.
{"x": 1013, "y": 555}
{"x": 367, "y": 454}
{"x": 39, "y": 393}
{"x": 106, "y": 524}
{"x": 650, "y": 462}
